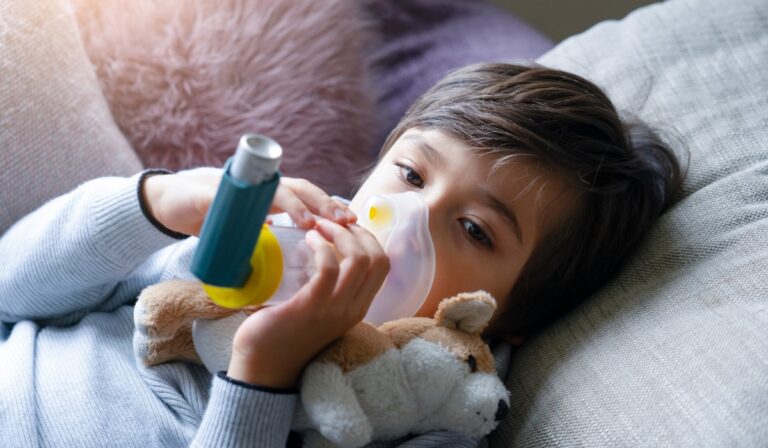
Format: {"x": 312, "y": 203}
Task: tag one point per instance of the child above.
{"x": 536, "y": 192}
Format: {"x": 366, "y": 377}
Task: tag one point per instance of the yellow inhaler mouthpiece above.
{"x": 266, "y": 273}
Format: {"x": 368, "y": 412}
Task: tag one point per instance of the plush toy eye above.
{"x": 472, "y": 363}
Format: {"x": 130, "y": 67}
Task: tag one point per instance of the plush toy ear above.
{"x": 469, "y": 312}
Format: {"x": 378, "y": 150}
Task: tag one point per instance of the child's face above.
{"x": 484, "y": 224}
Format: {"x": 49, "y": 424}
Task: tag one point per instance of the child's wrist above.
{"x": 148, "y": 192}
{"x": 224, "y": 375}
{"x": 270, "y": 374}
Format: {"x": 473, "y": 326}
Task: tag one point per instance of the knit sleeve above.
{"x": 70, "y": 255}
{"x": 242, "y": 415}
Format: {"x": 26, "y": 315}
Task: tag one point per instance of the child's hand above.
{"x": 180, "y": 201}
{"x": 274, "y": 344}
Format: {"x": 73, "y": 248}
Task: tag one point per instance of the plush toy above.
{"x": 407, "y": 376}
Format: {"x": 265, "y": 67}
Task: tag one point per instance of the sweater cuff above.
{"x": 240, "y": 415}
{"x": 118, "y": 224}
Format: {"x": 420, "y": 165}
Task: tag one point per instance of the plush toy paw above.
{"x": 163, "y": 317}
{"x": 332, "y": 408}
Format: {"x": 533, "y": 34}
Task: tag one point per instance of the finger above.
{"x": 287, "y": 201}
{"x": 354, "y": 258}
{"x": 377, "y": 271}
{"x": 344, "y": 241}
{"x": 323, "y": 282}
{"x": 370, "y": 287}
{"x": 371, "y": 244}
{"x": 319, "y": 202}
{"x": 379, "y": 261}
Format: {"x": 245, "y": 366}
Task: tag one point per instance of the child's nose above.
{"x": 439, "y": 206}
{"x": 437, "y": 201}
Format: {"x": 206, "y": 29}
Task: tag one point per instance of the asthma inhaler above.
{"x": 231, "y": 256}
{"x": 241, "y": 261}
{"x": 400, "y": 222}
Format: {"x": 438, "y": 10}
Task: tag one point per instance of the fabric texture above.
{"x": 185, "y": 80}
{"x": 223, "y": 426}
{"x": 55, "y": 127}
{"x": 420, "y": 41}
{"x": 672, "y": 352}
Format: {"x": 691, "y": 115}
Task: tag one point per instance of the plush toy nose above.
{"x": 501, "y": 411}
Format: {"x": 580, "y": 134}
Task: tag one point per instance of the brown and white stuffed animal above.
{"x": 407, "y": 376}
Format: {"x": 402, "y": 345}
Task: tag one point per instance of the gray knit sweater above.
{"x": 70, "y": 273}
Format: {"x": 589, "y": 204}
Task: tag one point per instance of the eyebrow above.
{"x": 501, "y": 208}
{"x": 429, "y": 152}
{"x": 487, "y": 197}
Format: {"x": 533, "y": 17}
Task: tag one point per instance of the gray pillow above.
{"x": 56, "y": 130}
{"x": 673, "y": 352}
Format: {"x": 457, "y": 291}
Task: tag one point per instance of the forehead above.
{"x": 440, "y": 147}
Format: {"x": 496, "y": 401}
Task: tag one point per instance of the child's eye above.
{"x": 410, "y": 176}
{"x": 475, "y": 233}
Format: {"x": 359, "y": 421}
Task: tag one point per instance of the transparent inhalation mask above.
{"x": 400, "y": 223}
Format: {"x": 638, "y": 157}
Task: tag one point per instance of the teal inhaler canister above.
{"x": 236, "y": 216}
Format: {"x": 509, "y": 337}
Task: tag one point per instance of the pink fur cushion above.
{"x": 184, "y": 79}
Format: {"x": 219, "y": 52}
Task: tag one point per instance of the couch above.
{"x": 671, "y": 352}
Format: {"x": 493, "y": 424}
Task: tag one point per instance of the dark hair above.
{"x": 623, "y": 174}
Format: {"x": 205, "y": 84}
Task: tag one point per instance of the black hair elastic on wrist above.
{"x": 272, "y": 390}
{"x": 145, "y": 208}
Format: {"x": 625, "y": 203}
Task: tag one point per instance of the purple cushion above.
{"x": 422, "y": 40}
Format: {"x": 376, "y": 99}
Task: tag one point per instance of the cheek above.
{"x": 460, "y": 271}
